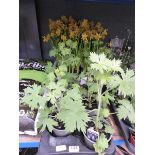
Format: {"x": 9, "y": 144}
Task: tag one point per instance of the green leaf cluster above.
{"x": 33, "y": 97}
{"x": 101, "y": 144}
{"x": 45, "y": 121}
{"x": 73, "y": 112}
{"x": 126, "y": 110}
{"x": 125, "y": 83}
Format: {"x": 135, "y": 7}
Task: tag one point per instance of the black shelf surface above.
{"x": 48, "y": 145}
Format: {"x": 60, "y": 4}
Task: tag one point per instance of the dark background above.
{"x": 34, "y": 15}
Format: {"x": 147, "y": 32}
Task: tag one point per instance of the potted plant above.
{"x": 88, "y": 91}
{"x": 103, "y": 69}
{"x": 72, "y": 40}
{"x": 125, "y": 101}
{"x": 60, "y": 116}
{"x": 124, "y": 105}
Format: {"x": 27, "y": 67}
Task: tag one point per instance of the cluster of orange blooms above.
{"x": 68, "y": 28}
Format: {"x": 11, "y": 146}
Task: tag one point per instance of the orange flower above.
{"x": 97, "y": 36}
{"x": 63, "y": 37}
{"x": 76, "y": 30}
{"x": 105, "y": 32}
{"x": 71, "y": 20}
{"x": 84, "y": 37}
{"x": 46, "y": 38}
{"x": 51, "y": 24}
{"x": 72, "y": 34}
{"x": 64, "y": 19}
{"x": 85, "y": 24}
{"x": 98, "y": 25}
{"x": 58, "y": 32}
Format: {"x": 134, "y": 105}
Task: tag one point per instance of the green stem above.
{"x": 72, "y": 69}
{"x": 99, "y": 85}
{"x": 57, "y": 107}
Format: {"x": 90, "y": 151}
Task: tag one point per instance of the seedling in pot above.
{"x": 89, "y": 93}
{"x": 103, "y": 70}
{"x": 124, "y": 86}
{"x": 125, "y": 82}
{"x": 65, "y": 100}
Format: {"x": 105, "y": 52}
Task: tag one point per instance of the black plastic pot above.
{"x": 48, "y": 145}
{"x": 90, "y": 143}
{"x": 125, "y": 130}
{"x": 91, "y": 112}
{"x": 60, "y": 133}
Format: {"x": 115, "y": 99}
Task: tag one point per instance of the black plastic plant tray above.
{"x": 124, "y": 130}
{"x": 48, "y": 145}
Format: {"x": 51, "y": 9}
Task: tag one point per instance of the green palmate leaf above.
{"x": 61, "y": 45}
{"x": 56, "y": 89}
{"x": 49, "y": 123}
{"x": 92, "y": 87}
{"x": 73, "y": 94}
{"x": 75, "y": 86}
{"x": 51, "y": 97}
{"x": 63, "y": 68}
{"x": 101, "y": 144}
{"x": 52, "y": 85}
{"x": 71, "y": 77}
{"x": 69, "y": 42}
{"x": 66, "y": 51}
{"x": 32, "y": 97}
{"x": 61, "y": 71}
{"x": 53, "y": 52}
{"x": 83, "y": 91}
{"x": 73, "y": 60}
{"x": 45, "y": 121}
{"x": 51, "y": 76}
{"x": 49, "y": 67}
{"x": 126, "y": 110}
{"x": 74, "y": 45}
{"x": 108, "y": 129}
{"x": 107, "y": 97}
{"x": 74, "y": 119}
{"x": 115, "y": 65}
{"x": 73, "y": 113}
{"x": 105, "y": 112}
{"x": 126, "y": 84}
{"x": 102, "y": 64}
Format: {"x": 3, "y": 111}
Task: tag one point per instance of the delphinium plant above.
{"x": 63, "y": 99}
{"x": 125, "y": 100}
{"x": 119, "y": 89}
{"x": 103, "y": 70}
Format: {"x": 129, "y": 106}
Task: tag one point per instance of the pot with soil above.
{"x": 91, "y": 108}
{"x": 60, "y": 131}
{"x": 92, "y": 135}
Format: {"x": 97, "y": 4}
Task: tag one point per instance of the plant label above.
{"x": 92, "y": 134}
{"x": 61, "y": 148}
{"x": 74, "y": 148}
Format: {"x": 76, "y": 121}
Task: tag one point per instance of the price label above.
{"x": 61, "y": 148}
{"x": 74, "y": 148}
